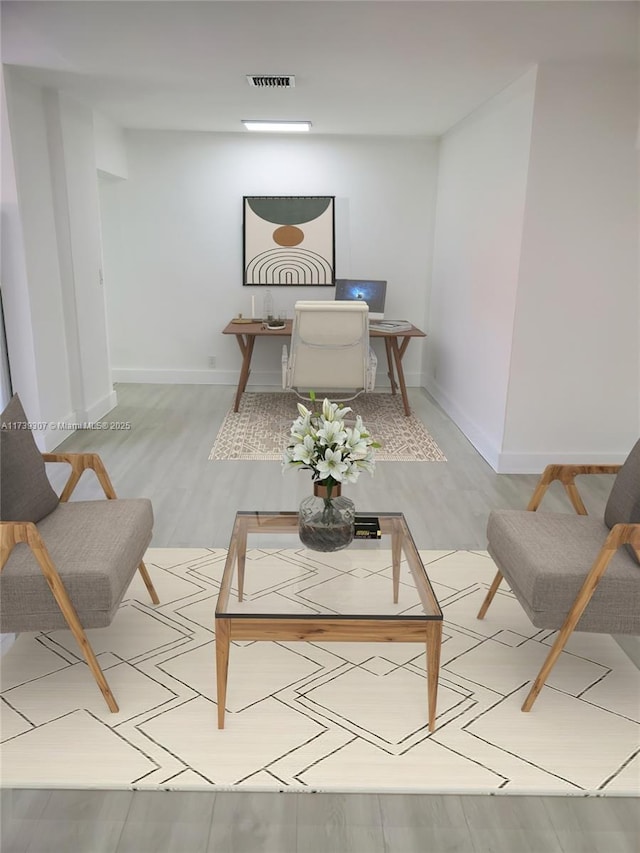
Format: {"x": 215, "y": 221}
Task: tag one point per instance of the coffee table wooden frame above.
{"x": 422, "y": 628}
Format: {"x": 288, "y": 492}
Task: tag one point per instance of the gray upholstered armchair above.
{"x": 572, "y": 571}
{"x": 63, "y": 564}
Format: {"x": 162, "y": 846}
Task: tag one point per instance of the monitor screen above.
{"x": 371, "y": 292}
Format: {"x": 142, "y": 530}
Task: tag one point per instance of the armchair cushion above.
{"x": 26, "y": 493}
{"x": 96, "y": 547}
{"x": 545, "y": 558}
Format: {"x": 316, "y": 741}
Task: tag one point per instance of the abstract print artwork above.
{"x": 289, "y": 240}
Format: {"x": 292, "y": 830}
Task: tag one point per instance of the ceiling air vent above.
{"x": 271, "y": 81}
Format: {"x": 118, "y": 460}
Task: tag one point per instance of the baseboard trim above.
{"x": 511, "y": 462}
{"x": 99, "y": 409}
{"x": 176, "y": 377}
{"x": 270, "y": 378}
{"x": 478, "y": 438}
{"x": 535, "y": 463}
{"x": 55, "y": 435}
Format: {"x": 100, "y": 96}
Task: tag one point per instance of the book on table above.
{"x": 366, "y": 527}
{"x": 390, "y": 325}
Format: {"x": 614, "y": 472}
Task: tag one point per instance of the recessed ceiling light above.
{"x": 278, "y": 126}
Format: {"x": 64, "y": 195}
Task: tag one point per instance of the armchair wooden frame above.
{"x": 619, "y": 535}
{"x": 14, "y": 532}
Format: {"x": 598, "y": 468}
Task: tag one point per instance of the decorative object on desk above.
{"x": 288, "y": 240}
{"x": 260, "y": 429}
{"x": 335, "y": 453}
{"x": 267, "y": 307}
{"x": 277, "y": 321}
{"x": 241, "y": 319}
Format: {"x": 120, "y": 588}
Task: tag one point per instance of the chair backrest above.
{"x": 329, "y": 346}
{"x": 623, "y": 506}
{"x": 25, "y": 490}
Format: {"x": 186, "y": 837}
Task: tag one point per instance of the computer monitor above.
{"x": 371, "y": 292}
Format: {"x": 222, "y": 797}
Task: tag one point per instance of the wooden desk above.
{"x": 396, "y": 344}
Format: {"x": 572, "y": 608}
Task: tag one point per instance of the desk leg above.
{"x": 390, "y": 371}
{"x": 398, "y": 352}
{"x": 434, "y": 642}
{"x": 222, "y": 666}
{"x": 246, "y": 344}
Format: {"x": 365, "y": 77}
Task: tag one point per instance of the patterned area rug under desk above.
{"x": 314, "y": 717}
{"x": 261, "y": 429}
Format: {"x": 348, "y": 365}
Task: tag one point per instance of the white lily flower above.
{"x": 367, "y": 465}
{"x": 302, "y": 425}
{"x": 287, "y": 461}
{"x": 351, "y": 474}
{"x": 356, "y": 443}
{"x": 327, "y": 409}
{"x": 321, "y": 442}
{"x": 304, "y": 452}
{"x": 331, "y": 465}
{"x": 333, "y": 432}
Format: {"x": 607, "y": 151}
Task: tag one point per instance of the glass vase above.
{"x": 325, "y": 519}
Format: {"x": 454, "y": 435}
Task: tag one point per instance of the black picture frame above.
{"x": 288, "y": 241}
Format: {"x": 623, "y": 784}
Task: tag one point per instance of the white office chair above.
{"x": 329, "y": 350}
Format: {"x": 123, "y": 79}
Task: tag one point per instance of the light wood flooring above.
{"x": 165, "y": 457}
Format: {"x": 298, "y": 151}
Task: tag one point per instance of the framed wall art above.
{"x": 289, "y": 240}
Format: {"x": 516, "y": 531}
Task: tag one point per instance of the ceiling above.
{"x": 362, "y": 67}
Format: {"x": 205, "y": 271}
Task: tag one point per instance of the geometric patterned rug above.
{"x": 306, "y": 716}
{"x": 261, "y": 428}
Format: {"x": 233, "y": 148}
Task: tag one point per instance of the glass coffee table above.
{"x": 373, "y": 591}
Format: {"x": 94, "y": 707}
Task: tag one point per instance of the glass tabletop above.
{"x": 379, "y": 578}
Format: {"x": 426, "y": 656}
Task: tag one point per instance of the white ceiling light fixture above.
{"x": 277, "y": 126}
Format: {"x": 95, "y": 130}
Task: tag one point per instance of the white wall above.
{"x": 110, "y": 147}
{"x": 173, "y": 241}
{"x": 482, "y": 181}
{"x": 574, "y": 384}
{"x": 5, "y": 376}
{"x": 85, "y": 283}
{"x": 33, "y": 305}
{"x": 53, "y": 299}
{"x": 13, "y": 275}
{"x": 534, "y": 310}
